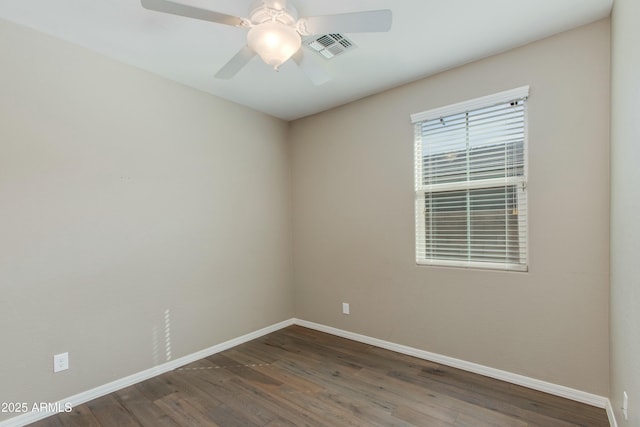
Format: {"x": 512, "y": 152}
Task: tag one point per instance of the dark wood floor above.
{"x": 300, "y": 377}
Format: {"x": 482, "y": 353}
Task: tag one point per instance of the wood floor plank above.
{"x": 52, "y": 421}
{"x": 244, "y": 356}
{"x": 420, "y": 400}
{"x": 333, "y": 403}
{"x": 156, "y": 388}
{"x": 415, "y": 417}
{"x": 110, "y": 413}
{"x": 187, "y": 388}
{"x": 477, "y": 397}
{"x": 81, "y": 416}
{"x": 229, "y": 417}
{"x": 279, "y": 403}
{"x": 184, "y": 412}
{"x": 499, "y": 390}
{"x": 301, "y": 377}
{"x": 142, "y": 409}
{"x": 256, "y": 349}
{"x": 237, "y": 399}
{"x": 519, "y": 398}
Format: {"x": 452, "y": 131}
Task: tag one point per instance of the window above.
{"x": 471, "y": 183}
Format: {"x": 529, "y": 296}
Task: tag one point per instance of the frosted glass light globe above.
{"x": 274, "y": 42}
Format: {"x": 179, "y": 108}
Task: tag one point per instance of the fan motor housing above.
{"x": 280, "y": 11}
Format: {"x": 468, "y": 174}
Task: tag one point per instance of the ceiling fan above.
{"x": 275, "y": 31}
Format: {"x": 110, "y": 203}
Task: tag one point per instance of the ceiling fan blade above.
{"x": 311, "y": 68}
{"x": 371, "y": 21}
{"x": 172, "y": 8}
{"x": 236, "y": 63}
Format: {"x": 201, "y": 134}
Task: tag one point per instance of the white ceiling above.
{"x": 427, "y": 36}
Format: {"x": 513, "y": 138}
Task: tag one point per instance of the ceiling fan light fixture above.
{"x": 274, "y": 42}
{"x": 275, "y": 32}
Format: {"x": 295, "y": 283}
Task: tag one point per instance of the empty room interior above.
{"x": 156, "y": 217}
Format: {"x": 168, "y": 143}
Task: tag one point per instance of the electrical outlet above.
{"x": 60, "y": 362}
{"x": 345, "y": 308}
{"x": 625, "y": 405}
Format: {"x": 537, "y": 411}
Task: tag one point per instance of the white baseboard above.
{"x": 611, "y": 415}
{"x": 558, "y": 390}
{"x": 555, "y": 389}
{"x": 102, "y": 390}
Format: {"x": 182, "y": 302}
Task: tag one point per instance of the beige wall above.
{"x": 353, "y": 220}
{"x": 625, "y": 205}
{"x": 124, "y": 195}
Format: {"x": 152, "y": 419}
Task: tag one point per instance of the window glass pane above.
{"x": 480, "y": 144}
{"x": 473, "y": 225}
{"x": 494, "y": 230}
{"x": 446, "y": 225}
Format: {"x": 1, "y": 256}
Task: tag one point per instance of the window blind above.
{"x": 470, "y": 183}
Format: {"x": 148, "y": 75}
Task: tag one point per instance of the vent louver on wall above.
{"x": 330, "y": 45}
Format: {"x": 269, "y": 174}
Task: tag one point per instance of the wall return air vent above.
{"x": 330, "y": 45}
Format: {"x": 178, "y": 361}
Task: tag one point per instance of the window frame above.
{"x": 519, "y": 182}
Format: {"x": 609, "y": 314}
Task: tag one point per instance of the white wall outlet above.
{"x": 345, "y": 308}
{"x": 625, "y": 405}
{"x": 60, "y": 362}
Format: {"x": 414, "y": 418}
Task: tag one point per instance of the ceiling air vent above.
{"x": 330, "y": 45}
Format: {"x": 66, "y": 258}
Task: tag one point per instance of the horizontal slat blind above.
{"x": 471, "y": 197}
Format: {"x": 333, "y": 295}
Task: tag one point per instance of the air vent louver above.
{"x": 329, "y": 46}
